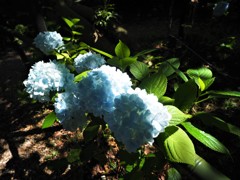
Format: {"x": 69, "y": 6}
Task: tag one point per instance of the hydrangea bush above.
{"x": 86, "y": 85}
{"x": 105, "y": 91}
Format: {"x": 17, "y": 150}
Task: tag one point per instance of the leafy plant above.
{"x": 75, "y": 29}
{"x": 105, "y": 14}
{"x": 173, "y": 146}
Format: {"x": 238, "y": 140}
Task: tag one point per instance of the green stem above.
{"x": 102, "y": 52}
{"x": 204, "y": 94}
{"x": 204, "y": 170}
{"x": 205, "y": 99}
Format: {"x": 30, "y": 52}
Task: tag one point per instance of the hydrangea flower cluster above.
{"x": 137, "y": 118}
{"x": 98, "y": 90}
{"x": 106, "y": 91}
{"x": 88, "y": 61}
{"x": 46, "y": 77}
{"x": 94, "y": 94}
{"x": 48, "y": 41}
{"x": 68, "y": 111}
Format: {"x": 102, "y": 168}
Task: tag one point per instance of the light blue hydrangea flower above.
{"x": 68, "y": 111}
{"x": 46, "y": 77}
{"x": 99, "y": 89}
{"x": 88, "y": 61}
{"x": 137, "y": 119}
{"x": 48, "y": 41}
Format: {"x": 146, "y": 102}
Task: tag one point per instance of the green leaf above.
{"x": 223, "y": 93}
{"x": 66, "y": 55}
{"x": 175, "y": 86}
{"x": 202, "y": 77}
{"x": 73, "y": 155}
{"x": 90, "y": 132}
{"x": 139, "y": 70}
{"x": 66, "y": 38}
{"x": 128, "y": 158}
{"x": 205, "y": 138}
{"x": 127, "y": 61}
{"x": 121, "y": 50}
{"x": 80, "y": 76}
{"x": 203, "y": 73}
{"x": 76, "y": 33}
{"x": 75, "y": 20}
{"x": 209, "y": 82}
{"x": 166, "y": 100}
{"x": 177, "y": 115}
{"x": 186, "y": 95}
{"x": 129, "y": 168}
{"x": 49, "y": 120}
{"x": 150, "y": 163}
{"x": 59, "y": 56}
{"x": 115, "y": 61}
{"x": 169, "y": 67}
{"x": 156, "y": 84}
{"x": 89, "y": 151}
{"x": 200, "y": 83}
{"x": 141, "y": 163}
{"x": 173, "y": 174}
{"x": 211, "y": 120}
{"x": 83, "y": 44}
{"x": 177, "y": 146}
{"x": 68, "y": 22}
{"x": 122, "y": 63}
{"x": 181, "y": 75}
